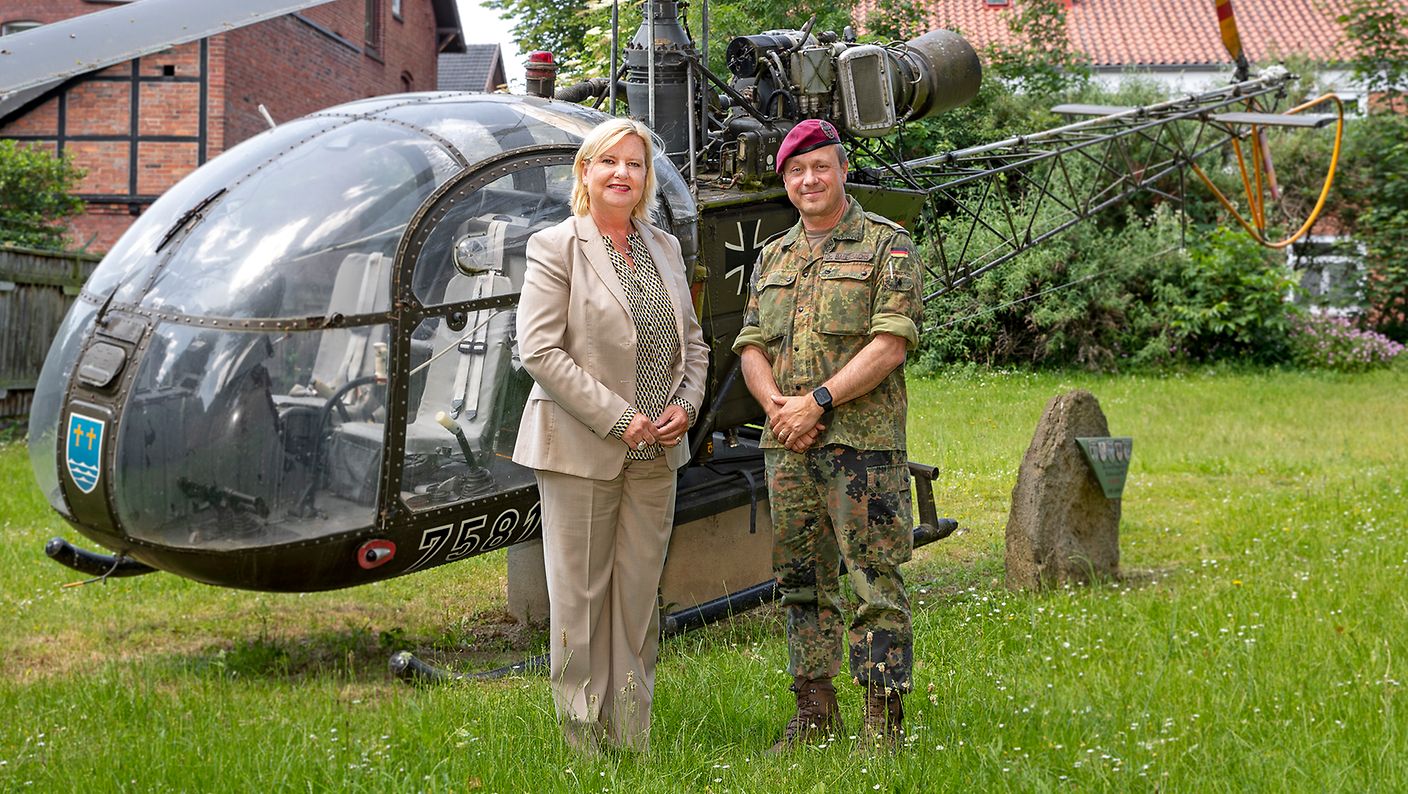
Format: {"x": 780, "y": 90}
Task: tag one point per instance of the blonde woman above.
{"x": 607, "y": 329}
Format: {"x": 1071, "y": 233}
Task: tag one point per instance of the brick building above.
{"x": 139, "y": 126}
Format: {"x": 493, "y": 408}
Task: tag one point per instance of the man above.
{"x": 833, "y": 308}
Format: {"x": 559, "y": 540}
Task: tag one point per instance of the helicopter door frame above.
{"x": 410, "y": 312}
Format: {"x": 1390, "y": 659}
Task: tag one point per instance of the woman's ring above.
{"x": 640, "y": 445}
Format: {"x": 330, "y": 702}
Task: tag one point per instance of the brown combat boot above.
{"x": 817, "y": 714}
{"x": 884, "y": 718}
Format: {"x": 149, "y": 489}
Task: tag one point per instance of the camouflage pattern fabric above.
{"x": 834, "y": 504}
{"x": 812, "y": 311}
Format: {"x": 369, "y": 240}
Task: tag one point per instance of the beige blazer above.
{"x": 577, "y": 338}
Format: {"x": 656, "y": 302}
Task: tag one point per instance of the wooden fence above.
{"x": 36, "y": 290}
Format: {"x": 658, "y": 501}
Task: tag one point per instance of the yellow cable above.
{"x": 1246, "y": 182}
{"x": 1324, "y": 190}
{"x": 1259, "y": 168}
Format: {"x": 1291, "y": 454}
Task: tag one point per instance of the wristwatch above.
{"x": 822, "y": 395}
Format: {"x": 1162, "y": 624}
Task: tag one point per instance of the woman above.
{"x": 607, "y": 329}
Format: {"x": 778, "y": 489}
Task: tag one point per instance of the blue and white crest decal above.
{"x": 85, "y": 451}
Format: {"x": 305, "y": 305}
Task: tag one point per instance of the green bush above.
{"x": 36, "y": 195}
{"x": 1229, "y": 302}
{"x": 1109, "y": 297}
{"x": 1084, "y": 298}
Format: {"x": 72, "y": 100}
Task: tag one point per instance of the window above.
{"x": 396, "y": 9}
{"x": 372, "y": 32}
{"x": 18, "y": 26}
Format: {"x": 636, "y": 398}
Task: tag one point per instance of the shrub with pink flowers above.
{"x": 1325, "y": 341}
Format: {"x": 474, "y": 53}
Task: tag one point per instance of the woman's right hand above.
{"x": 640, "y": 433}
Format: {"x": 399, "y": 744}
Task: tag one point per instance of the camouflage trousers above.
{"x": 837, "y": 504}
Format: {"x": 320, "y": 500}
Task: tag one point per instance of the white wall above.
{"x": 1202, "y": 78}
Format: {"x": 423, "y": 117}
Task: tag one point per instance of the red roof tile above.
{"x": 1162, "y": 32}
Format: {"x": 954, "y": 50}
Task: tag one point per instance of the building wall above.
{"x": 45, "y": 11}
{"x": 139, "y": 127}
{"x": 135, "y": 128}
{"x": 1196, "y": 79}
{"x": 298, "y": 64}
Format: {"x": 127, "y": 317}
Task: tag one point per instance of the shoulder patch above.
{"x": 886, "y": 221}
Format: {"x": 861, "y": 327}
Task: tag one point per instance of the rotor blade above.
{"x": 1231, "y": 39}
{"x": 55, "y": 52}
{"x": 1307, "y": 120}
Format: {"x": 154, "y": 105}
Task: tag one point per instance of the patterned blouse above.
{"x": 657, "y": 339}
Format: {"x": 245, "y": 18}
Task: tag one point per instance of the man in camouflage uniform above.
{"x": 833, "y": 308}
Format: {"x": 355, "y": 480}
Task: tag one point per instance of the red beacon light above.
{"x": 540, "y": 74}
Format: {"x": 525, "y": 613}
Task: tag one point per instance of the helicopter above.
{"x": 297, "y": 370}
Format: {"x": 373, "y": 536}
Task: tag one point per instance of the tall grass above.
{"x": 1256, "y": 642}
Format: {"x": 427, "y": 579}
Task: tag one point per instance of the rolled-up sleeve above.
{"x": 751, "y": 333}
{"x": 898, "y": 308}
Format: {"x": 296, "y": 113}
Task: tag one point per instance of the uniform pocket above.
{"x": 776, "y": 297}
{"x": 889, "y": 524}
{"x": 843, "y": 300}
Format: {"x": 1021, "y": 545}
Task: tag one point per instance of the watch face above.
{"x": 822, "y": 395}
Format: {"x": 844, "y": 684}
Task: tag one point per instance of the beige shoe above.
{"x": 584, "y": 737}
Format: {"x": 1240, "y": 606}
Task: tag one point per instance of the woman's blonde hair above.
{"x": 604, "y": 136}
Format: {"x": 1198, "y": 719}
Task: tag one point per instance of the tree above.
{"x": 1376, "y": 186}
{"x": 36, "y": 196}
{"x": 579, "y": 34}
{"x": 898, "y": 20}
{"x": 1042, "y": 62}
{"x": 1377, "y": 30}
{"x": 558, "y": 26}
{"x": 1375, "y": 192}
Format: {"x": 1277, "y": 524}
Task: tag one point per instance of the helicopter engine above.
{"x": 780, "y": 77}
{"x": 866, "y": 90}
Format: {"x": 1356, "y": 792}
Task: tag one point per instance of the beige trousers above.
{"x": 604, "y": 545}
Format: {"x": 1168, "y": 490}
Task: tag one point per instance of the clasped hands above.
{"x": 665, "y": 431}
{"x": 796, "y": 421}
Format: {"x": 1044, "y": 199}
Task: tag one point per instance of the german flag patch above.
{"x": 899, "y": 251}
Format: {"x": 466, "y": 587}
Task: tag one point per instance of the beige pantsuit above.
{"x": 606, "y": 519}
{"x": 610, "y": 535}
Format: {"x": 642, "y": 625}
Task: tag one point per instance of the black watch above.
{"x": 822, "y": 395}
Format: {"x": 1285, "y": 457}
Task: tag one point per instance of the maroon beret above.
{"x": 808, "y": 135}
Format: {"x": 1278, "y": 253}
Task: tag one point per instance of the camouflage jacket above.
{"x": 812, "y": 311}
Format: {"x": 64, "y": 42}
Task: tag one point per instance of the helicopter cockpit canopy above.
{"x": 330, "y": 295}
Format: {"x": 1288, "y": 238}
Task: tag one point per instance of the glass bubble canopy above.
{"x": 278, "y": 364}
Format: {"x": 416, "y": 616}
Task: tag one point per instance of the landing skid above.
{"x": 103, "y": 566}
{"x": 405, "y": 665}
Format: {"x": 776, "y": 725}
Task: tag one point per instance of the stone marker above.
{"x": 1061, "y": 527}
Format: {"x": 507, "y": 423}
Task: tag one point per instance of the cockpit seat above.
{"x": 362, "y": 286}
{"x": 470, "y": 363}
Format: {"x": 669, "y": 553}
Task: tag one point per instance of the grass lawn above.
{"x": 1258, "y": 641}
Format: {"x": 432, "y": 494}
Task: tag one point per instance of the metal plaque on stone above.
{"x": 1109, "y": 458}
